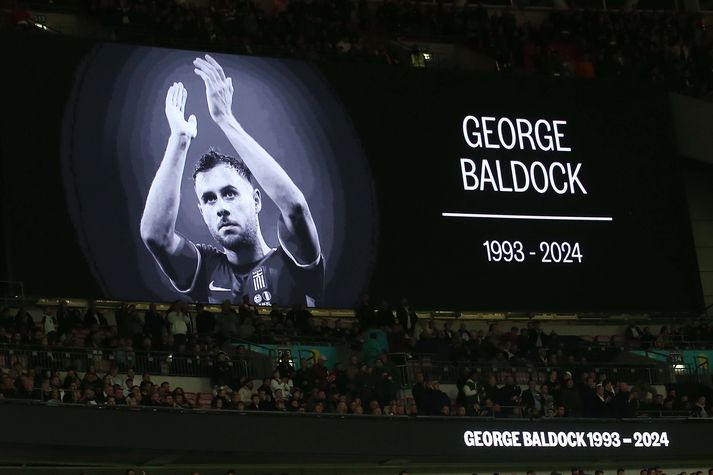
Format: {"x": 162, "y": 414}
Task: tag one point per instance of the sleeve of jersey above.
{"x": 186, "y": 248}
{"x": 310, "y": 265}
{"x": 198, "y": 289}
{"x": 311, "y": 276}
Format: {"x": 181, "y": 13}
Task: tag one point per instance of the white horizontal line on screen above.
{"x": 526, "y": 217}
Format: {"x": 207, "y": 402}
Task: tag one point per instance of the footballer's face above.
{"x": 229, "y": 205}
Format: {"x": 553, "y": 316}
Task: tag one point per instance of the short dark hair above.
{"x": 212, "y": 159}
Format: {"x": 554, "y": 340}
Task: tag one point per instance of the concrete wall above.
{"x": 693, "y": 120}
{"x": 699, "y": 188}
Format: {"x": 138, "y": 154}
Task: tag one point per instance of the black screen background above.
{"x": 410, "y": 126}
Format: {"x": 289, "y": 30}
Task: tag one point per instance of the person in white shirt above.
{"x": 281, "y": 382}
{"x": 49, "y": 324}
{"x": 179, "y": 322}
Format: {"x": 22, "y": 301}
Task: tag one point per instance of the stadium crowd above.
{"x": 669, "y": 48}
{"x": 395, "y": 329}
{"x": 368, "y": 382}
{"x": 355, "y": 387}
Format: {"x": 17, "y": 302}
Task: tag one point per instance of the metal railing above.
{"x": 259, "y": 364}
{"x": 154, "y": 362}
{"x": 679, "y": 342}
{"x": 409, "y": 364}
{"x": 485, "y": 416}
{"x": 656, "y": 413}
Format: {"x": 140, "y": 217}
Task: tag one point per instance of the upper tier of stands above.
{"x": 644, "y": 41}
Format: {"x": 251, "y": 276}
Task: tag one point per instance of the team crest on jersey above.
{"x": 263, "y": 299}
{"x": 258, "y": 276}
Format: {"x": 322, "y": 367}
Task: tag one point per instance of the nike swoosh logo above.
{"x": 211, "y": 286}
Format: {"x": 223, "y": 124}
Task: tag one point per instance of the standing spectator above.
{"x": 299, "y": 316}
{"x": 553, "y": 384}
{"x": 599, "y": 405}
{"x": 384, "y": 316}
{"x": 375, "y": 344}
{"x": 620, "y": 405}
{"x": 220, "y": 372}
{"x": 205, "y": 321}
{"x": 248, "y": 316}
{"x": 365, "y": 313}
{"x": 227, "y": 322}
{"x": 385, "y": 389}
{"x": 154, "y": 323}
{"x": 93, "y": 316}
{"x": 470, "y": 394}
{"x": 178, "y": 323}
{"x": 285, "y": 366}
{"x": 434, "y": 400}
{"x": 121, "y": 317}
{"x": 418, "y": 390}
{"x": 135, "y": 324}
{"x": 532, "y": 400}
{"x": 317, "y": 374}
{"x": 23, "y": 320}
{"x": 508, "y": 396}
{"x": 657, "y": 406}
{"x": 406, "y": 317}
{"x": 66, "y": 318}
{"x": 50, "y": 325}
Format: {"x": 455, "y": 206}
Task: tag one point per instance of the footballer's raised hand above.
{"x": 218, "y": 88}
{"x": 176, "y": 112}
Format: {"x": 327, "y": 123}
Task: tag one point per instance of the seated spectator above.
{"x": 434, "y": 400}
{"x": 281, "y": 383}
{"x": 699, "y": 408}
{"x": 633, "y": 332}
{"x": 246, "y": 391}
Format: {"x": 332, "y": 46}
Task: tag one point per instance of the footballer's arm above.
{"x": 296, "y": 224}
{"x": 177, "y": 257}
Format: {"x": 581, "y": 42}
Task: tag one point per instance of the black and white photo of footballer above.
{"x": 242, "y": 265}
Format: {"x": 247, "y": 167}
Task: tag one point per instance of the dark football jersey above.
{"x": 274, "y": 280}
